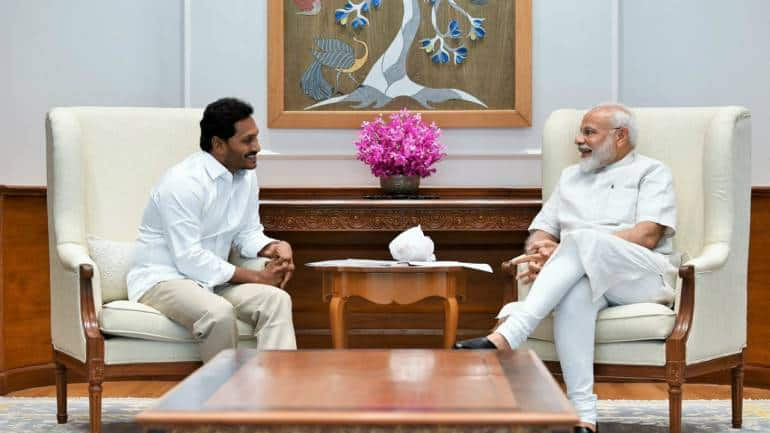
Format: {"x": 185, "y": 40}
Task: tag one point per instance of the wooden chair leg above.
{"x": 95, "y": 378}
{"x": 675, "y": 374}
{"x": 95, "y": 406}
{"x": 675, "y": 407}
{"x": 61, "y": 393}
{"x": 737, "y": 395}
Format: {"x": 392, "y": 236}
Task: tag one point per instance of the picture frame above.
{"x": 303, "y": 91}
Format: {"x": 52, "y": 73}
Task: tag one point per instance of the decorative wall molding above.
{"x": 365, "y": 217}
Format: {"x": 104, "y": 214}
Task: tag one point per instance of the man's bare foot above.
{"x": 499, "y": 341}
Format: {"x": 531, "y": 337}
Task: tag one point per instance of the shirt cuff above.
{"x": 668, "y": 229}
{"x": 253, "y": 248}
{"x": 228, "y": 270}
{"x": 546, "y": 228}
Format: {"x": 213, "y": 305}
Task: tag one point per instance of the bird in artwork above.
{"x": 337, "y": 55}
{"x": 308, "y": 7}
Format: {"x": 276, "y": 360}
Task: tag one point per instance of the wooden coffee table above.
{"x": 385, "y": 390}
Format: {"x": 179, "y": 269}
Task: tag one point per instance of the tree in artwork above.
{"x": 387, "y": 78}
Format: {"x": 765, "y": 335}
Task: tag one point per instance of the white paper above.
{"x": 483, "y": 267}
{"x": 360, "y": 263}
{"x": 365, "y": 263}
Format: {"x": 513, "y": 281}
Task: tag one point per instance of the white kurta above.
{"x": 196, "y": 213}
{"x": 592, "y": 268}
{"x": 614, "y": 198}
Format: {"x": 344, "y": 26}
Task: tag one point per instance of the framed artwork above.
{"x": 337, "y": 63}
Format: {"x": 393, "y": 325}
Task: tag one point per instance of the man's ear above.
{"x": 623, "y": 136}
{"x": 217, "y": 144}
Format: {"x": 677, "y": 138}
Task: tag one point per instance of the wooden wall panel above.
{"x": 25, "y": 355}
{"x": 468, "y": 229}
{"x": 758, "y": 349}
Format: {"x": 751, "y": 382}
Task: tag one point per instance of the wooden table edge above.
{"x": 389, "y": 269}
{"x": 342, "y": 417}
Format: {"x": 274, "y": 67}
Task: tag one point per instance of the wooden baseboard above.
{"x": 757, "y": 376}
{"x": 26, "y": 377}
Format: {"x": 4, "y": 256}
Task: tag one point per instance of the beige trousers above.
{"x": 211, "y": 317}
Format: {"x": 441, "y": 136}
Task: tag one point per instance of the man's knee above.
{"x": 219, "y": 318}
{"x": 281, "y": 300}
{"x": 221, "y": 310}
{"x": 265, "y": 300}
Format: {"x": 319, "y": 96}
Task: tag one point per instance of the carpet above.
{"x": 38, "y": 415}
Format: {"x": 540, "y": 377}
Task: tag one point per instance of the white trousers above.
{"x": 566, "y": 286}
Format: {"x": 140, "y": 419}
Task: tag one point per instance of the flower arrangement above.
{"x": 404, "y": 146}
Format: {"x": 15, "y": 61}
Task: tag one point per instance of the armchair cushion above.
{"x": 135, "y": 320}
{"x": 113, "y": 259}
{"x": 632, "y": 322}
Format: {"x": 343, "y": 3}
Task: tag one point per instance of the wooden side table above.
{"x": 400, "y": 284}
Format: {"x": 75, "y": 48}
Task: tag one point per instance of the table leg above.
{"x": 450, "y": 321}
{"x": 337, "y": 319}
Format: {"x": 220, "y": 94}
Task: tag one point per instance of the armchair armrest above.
{"x": 75, "y": 300}
{"x": 676, "y": 342}
{"x": 94, "y": 337}
{"x": 714, "y": 256}
{"x": 522, "y": 289}
{"x": 73, "y": 255}
{"x": 718, "y": 317}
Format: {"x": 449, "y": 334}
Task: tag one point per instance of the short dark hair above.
{"x": 219, "y": 119}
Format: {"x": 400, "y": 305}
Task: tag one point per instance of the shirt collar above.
{"x": 628, "y": 159}
{"x": 213, "y": 167}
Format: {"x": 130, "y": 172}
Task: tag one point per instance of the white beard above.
{"x": 600, "y": 156}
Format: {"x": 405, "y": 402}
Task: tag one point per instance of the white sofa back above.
{"x": 103, "y": 162}
{"x": 693, "y": 142}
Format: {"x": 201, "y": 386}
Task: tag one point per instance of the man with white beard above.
{"x": 602, "y": 238}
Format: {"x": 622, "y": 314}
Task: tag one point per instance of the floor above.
{"x": 605, "y": 391}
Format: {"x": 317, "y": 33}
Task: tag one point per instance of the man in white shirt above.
{"x": 602, "y": 238}
{"x": 200, "y": 209}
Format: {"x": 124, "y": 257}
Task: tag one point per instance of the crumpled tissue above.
{"x": 412, "y": 245}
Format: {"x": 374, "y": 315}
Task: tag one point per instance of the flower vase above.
{"x": 400, "y": 184}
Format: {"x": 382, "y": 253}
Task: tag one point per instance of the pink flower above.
{"x": 406, "y": 145}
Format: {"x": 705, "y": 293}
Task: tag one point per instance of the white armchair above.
{"x": 708, "y": 151}
{"x": 102, "y": 164}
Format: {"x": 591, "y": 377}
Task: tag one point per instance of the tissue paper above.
{"x": 412, "y": 245}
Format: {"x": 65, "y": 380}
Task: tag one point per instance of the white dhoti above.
{"x": 589, "y": 271}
